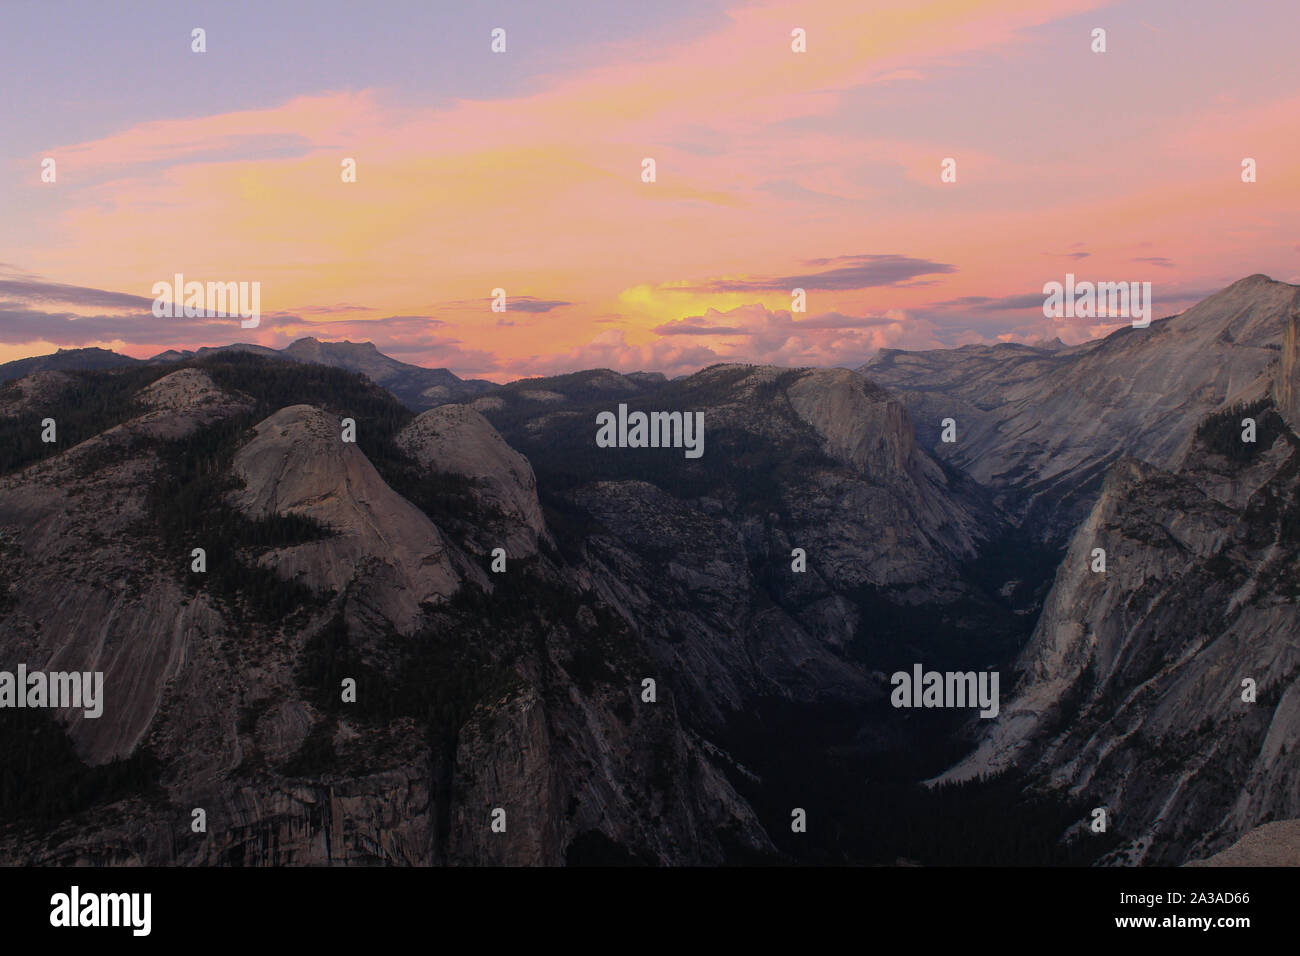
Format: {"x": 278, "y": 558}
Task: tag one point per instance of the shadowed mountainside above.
{"x": 767, "y": 589}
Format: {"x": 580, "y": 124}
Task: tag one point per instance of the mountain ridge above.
{"x": 1039, "y": 426}
{"x": 499, "y": 587}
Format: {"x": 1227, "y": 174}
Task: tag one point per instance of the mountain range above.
{"x": 644, "y": 658}
{"x": 415, "y": 386}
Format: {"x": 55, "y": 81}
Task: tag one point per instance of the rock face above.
{"x": 679, "y": 649}
{"x": 459, "y": 440}
{"x": 700, "y": 555}
{"x": 1286, "y": 376}
{"x": 383, "y": 551}
{"x": 510, "y": 774}
{"x": 77, "y": 599}
{"x": 1040, "y": 426}
{"x": 222, "y": 688}
{"x": 523, "y": 690}
{"x": 187, "y": 389}
{"x": 870, "y": 431}
{"x": 34, "y": 391}
{"x": 177, "y": 404}
{"x": 1132, "y": 690}
{"x": 1273, "y": 844}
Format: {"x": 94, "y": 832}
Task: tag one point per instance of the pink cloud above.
{"x": 752, "y": 334}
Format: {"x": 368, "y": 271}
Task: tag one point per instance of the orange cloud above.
{"x": 541, "y": 194}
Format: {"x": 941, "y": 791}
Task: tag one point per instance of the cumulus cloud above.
{"x": 610, "y": 349}
{"x": 749, "y": 334}
{"x": 704, "y": 324}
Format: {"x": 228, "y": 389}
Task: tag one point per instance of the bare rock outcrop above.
{"x": 1273, "y": 844}
{"x": 459, "y": 440}
{"x": 507, "y": 774}
{"x": 1133, "y": 687}
{"x": 1286, "y": 375}
{"x": 180, "y": 402}
{"x": 1040, "y": 426}
{"x": 383, "y": 550}
{"x": 79, "y": 596}
{"x": 32, "y": 391}
{"x": 869, "y": 429}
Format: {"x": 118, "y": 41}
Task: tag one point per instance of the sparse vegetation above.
{"x": 42, "y": 780}
{"x": 1221, "y": 432}
{"x": 95, "y": 402}
{"x": 187, "y": 509}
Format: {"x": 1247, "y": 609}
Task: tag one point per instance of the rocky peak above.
{"x": 1131, "y": 686}
{"x": 458, "y": 439}
{"x": 1040, "y": 427}
{"x": 296, "y": 463}
{"x": 862, "y": 424}
{"x": 32, "y": 391}
{"x": 313, "y": 348}
{"x": 186, "y": 388}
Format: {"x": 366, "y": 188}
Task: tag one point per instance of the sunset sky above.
{"x": 522, "y": 171}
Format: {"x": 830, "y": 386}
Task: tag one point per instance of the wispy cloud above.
{"x": 847, "y": 273}
{"x": 20, "y": 325}
{"x": 984, "y": 303}
{"x": 514, "y": 303}
{"x": 764, "y": 158}
{"x": 35, "y": 290}
{"x": 527, "y": 303}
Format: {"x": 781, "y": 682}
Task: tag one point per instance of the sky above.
{"x": 523, "y": 171}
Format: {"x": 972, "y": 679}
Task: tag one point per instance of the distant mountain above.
{"x": 597, "y": 384}
{"x": 766, "y": 588}
{"x": 1040, "y": 425}
{"x": 1132, "y": 690}
{"x": 180, "y": 355}
{"x": 414, "y": 386}
{"x": 65, "y": 360}
{"x": 1162, "y": 681}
